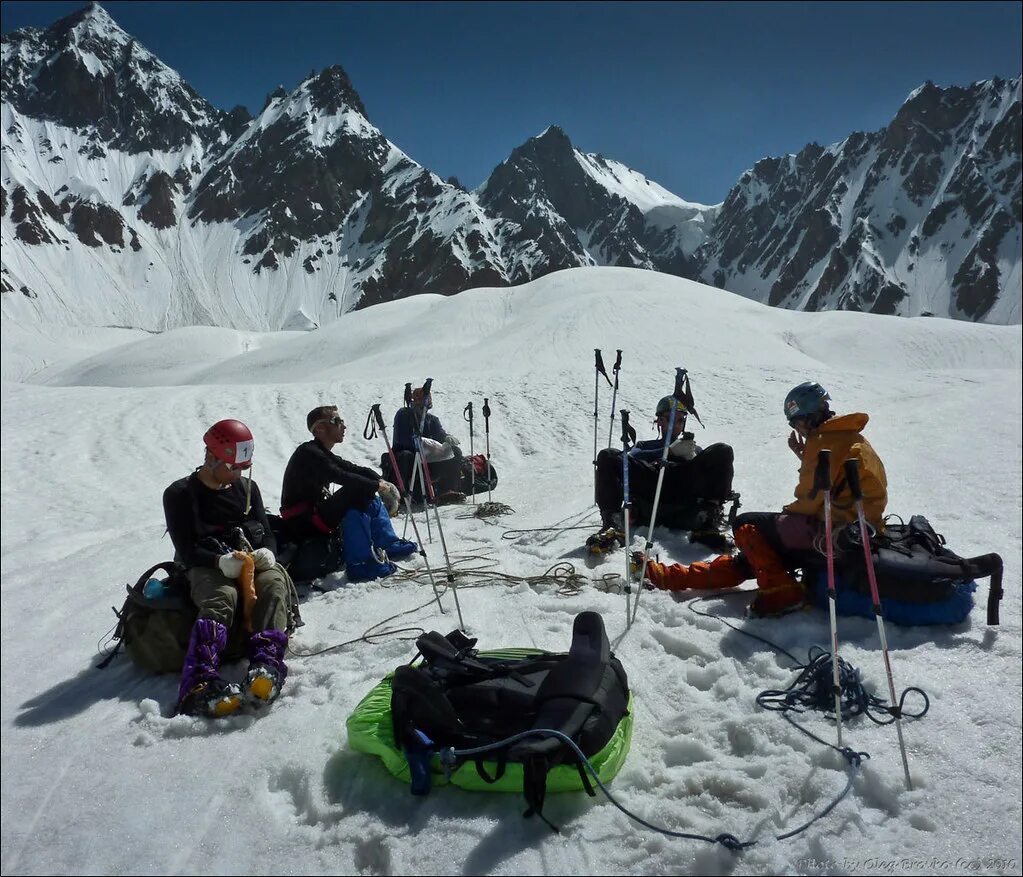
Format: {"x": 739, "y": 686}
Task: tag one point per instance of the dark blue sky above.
{"x": 690, "y": 94}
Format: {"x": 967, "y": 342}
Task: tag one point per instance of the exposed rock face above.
{"x": 189, "y": 214}
{"x": 925, "y": 212}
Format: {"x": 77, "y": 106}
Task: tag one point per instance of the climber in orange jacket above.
{"x": 773, "y": 545}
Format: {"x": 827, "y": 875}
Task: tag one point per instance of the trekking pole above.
{"x": 852, "y": 476}
{"x": 822, "y": 481}
{"x": 628, "y": 433}
{"x": 468, "y": 414}
{"x": 676, "y": 396}
{"x": 425, "y": 469}
{"x": 370, "y": 433}
{"x": 614, "y": 395}
{"x": 416, "y": 473}
{"x": 598, "y": 370}
{"x": 486, "y": 426}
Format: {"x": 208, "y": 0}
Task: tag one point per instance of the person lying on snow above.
{"x": 697, "y": 483}
{"x": 774, "y": 545}
{"x": 222, "y": 537}
{"x": 361, "y": 505}
{"x": 442, "y": 451}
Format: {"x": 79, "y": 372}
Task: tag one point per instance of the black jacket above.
{"x": 200, "y": 520}
{"x": 312, "y": 468}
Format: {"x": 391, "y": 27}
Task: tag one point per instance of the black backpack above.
{"x": 459, "y": 698}
{"x": 912, "y": 563}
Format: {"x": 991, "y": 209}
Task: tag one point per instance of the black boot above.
{"x": 711, "y": 527}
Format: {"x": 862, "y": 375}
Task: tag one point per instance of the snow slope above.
{"x": 98, "y": 777}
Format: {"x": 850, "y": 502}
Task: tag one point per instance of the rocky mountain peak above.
{"x": 88, "y": 74}
{"x": 332, "y": 91}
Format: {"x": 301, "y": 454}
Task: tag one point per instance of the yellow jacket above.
{"x": 843, "y": 437}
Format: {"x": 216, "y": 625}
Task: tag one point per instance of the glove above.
{"x": 264, "y": 559}
{"x": 683, "y": 448}
{"x": 796, "y": 444}
{"x": 451, "y": 440}
{"x": 230, "y": 565}
{"x": 390, "y": 497}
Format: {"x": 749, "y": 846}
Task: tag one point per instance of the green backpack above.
{"x": 155, "y": 630}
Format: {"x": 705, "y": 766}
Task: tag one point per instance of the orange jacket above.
{"x": 843, "y": 437}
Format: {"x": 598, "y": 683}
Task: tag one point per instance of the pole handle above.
{"x": 486, "y": 412}
{"x": 467, "y": 414}
{"x": 408, "y": 394}
{"x": 822, "y": 475}
{"x": 852, "y": 476}
{"x": 369, "y": 432}
{"x": 628, "y": 433}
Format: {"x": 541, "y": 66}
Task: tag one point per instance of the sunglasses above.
{"x": 336, "y": 420}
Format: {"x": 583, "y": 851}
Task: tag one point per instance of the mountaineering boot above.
{"x": 778, "y": 591}
{"x": 400, "y": 549}
{"x": 383, "y": 536}
{"x": 377, "y": 566}
{"x": 722, "y": 572}
{"x": 267, "y": 670}
{"x": 202, "y": 692}
{"x": 711, "y": 527}
{"x": 216, "y": 700}
{"x": 607, "y": 540}
{"x": 362, "y": 560}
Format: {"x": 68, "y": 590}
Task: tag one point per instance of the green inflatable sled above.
{"x": 421, "y": 717}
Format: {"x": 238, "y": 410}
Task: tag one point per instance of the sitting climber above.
{"x": 360, "y": 506}
{"x": 774, "y": 545}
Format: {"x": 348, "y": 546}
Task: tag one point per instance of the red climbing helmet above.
{"x": 230, "y": 441}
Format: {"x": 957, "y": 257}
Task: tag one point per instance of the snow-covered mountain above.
{"x": 920, "y": 217}
{"x": 169, "y": 212}
{"x": 572, "y": 209}
{"x": 127, "y": 199}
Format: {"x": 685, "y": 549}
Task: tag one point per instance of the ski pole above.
{"x": 852, "y": 476}
{"x": 598, "y": 370}
{"x": 822, "y": 481}
{"x": 676, "y": 396}
{"x": 375, "y": 415}
{"x": 425, "y": 469}
{"x": 614, "y": 395}
{"x": 628, "y": 433}
{"x": 467, "y": 414}
{"x": 486, "y": 426}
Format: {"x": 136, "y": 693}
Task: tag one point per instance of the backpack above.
{"x": 458, "y": 697}
{"x": 155, "y": 630}
{"x": 475, "y": 477}
{"x": 916, "y": 574}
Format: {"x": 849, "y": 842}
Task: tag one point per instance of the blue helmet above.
{"x": 808, "y": 398}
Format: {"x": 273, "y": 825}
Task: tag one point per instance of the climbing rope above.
{"x": 488, "y": 510}
{"x": 562, "y": 577}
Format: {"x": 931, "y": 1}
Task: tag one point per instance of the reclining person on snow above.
{"x": 442, "y": 452}
{"x": 774, "y": 545}
{"x": 221, "y": 535}
{"x": 697, "y": 483}
{"x": 309, "y": 509}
